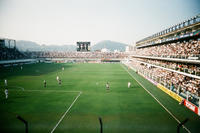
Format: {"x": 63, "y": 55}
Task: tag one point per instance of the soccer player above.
{"x": 107, "y": 86}
{"x": 63, "y": 68}
{"x": 6, "y": 93}
{"x": 5, "y": 82}
{"x": 21, "y": 67}
{"x": 129, "y": 84}
{"x": 59, "y": 82}
{"x": 45, "y": 83}
{"x": 57, "y": 78}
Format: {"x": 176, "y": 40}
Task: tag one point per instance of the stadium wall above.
{"x": 191, "y": 106}
{"x": 169, "y": 92}
{"x": 199, "y": 112}
{"x": 175, "y": 96}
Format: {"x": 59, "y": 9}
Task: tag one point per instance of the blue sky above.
{"x": 67, "y": 21}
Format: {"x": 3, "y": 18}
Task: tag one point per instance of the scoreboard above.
{"x": 83, "y": 46}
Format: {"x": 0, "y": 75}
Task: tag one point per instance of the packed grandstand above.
{"x": 172, "y": 59}
{"x": 91, "y": 55}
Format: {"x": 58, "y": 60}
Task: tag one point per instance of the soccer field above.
{"x": 76, "y": 104}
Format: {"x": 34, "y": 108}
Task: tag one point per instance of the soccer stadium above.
{"x": 151, "y": 87}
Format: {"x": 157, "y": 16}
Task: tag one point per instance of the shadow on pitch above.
{"x": 32, "y": 69}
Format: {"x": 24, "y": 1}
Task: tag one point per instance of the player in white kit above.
{"x": 107, "y": 86}
{"x": 57, "y": 78}
{"x": 6, "y": 93}
{"x": 129, "y": 84}
{"x": 5, "y": 82}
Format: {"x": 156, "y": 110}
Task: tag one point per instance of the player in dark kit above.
{"x": 45, "y": 83}
{"x": 59, "y": 82}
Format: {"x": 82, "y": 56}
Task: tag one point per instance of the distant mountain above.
{"x": 58, "y": 48}
{"x": 111, "y": 45}
{"x": 32, "y": 46}
{"x": 27, "y": 45}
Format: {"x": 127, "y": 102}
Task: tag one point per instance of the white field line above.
{"x": 54, "y": 91}
{"x": 13, "y": 86}
{"x": 42, "y": 90}
{"x": 66, "y": 112}
{"x": 157, "y": 100}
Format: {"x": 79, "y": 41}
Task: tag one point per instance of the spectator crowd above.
{"x": 193, "y": 69}
{"x": 10, "y": 54}
{"x": 179, "y": 49}
{"x": 180, "y": 82}
{"x": 183, "y": 78}
{"x": 78, "y": 54}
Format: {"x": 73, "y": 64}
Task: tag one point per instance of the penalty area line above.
{"x": 42, "y": 90}
{"x": 66, "y": 112}
{"x": 47, "y": 90}
{"x": 156, "y": 99}
{"x": 54, "y": 91}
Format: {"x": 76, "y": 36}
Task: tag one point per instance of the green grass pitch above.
{"x": 122, "y": 109}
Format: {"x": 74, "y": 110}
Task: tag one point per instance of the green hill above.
{"x": 111, "y": 45}
{"x": 33, "y": 46}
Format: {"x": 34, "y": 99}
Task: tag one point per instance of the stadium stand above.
{"x": 77, "y": 54}
{"x": 86, "y": 57}
{"x": 8, "y": 52}
{"x": 172, "y": 59}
